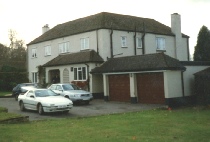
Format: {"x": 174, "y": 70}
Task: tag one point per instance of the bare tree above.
{"x": 12, "y": 38}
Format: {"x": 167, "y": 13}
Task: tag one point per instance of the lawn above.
{"x": 3, "y": 93}
{"x": 180, "y": 125}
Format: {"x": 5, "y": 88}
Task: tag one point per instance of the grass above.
{"x": 4, "y": 115}
{"x": 3, "y": 93}
{"x": 181, "y": 125}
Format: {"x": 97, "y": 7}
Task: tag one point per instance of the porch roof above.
{"x": 75, "y": 58}
{"x": 149, "y": 62}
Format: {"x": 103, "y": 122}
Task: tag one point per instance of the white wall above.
{"x": 172, "y": 84}
{"x": 103, "y": 46}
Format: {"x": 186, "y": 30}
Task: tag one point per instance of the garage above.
{"x": 119, "y": 88}
{"x": 150, "y": 88}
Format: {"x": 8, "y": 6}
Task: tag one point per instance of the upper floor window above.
{"x": 160, "y": 43}
{"x": 80, "y": 73}
{"x": 64, "y": 47}
{"x": 123, "y": 41}
{"x": 47, "y": 50}
{"x": 84, "y": 43}
{"x": 34, "y": 53}
{"x": 138, "y": 42}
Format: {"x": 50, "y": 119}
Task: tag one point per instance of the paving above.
{"x": 95, "y": 108}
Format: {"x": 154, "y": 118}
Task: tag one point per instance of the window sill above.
{"x": 138, "y": 47}
{"x": 47, "y": 55}
{"x": 124, "y": 47}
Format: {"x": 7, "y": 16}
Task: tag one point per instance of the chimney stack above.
{"x": 176, "y": 29}
{"x": 45, "y": 28}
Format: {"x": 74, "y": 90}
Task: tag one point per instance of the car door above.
{"x": 30, "y": 101}
{"x": 59, "y": 90}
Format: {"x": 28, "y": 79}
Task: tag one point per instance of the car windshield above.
{"x": 67, "y": 87}
{"x": 45, "y": 93}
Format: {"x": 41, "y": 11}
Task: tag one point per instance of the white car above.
{"x": 44, "y": 100}
{"x": 72, "y": 92}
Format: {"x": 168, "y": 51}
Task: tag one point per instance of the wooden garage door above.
{"x": 150, "y": 87}
{"x": 119, "y": 88}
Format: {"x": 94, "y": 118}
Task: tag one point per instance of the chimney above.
{"x": 176, "y": 29}
{"x": 45, "y": 28}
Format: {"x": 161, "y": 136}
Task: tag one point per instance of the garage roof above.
{"x": 105, "y": 20}
{"x": 149, "y": 62}
{"x": 75, "y": 58}
{"x": 204, "y": 73}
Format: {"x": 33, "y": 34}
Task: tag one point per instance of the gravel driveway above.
{"x": 96, "y": 107}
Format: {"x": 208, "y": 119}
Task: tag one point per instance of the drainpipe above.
{"x": 188, "y": 50}
{"x": 88, "y": 78}
{"x": 97, "y": 41}
{"x": 143, "y": 40}
{"x": 182, "y": 78}
{"x": 135, "y": 42}
{"x": 111, "y": 45}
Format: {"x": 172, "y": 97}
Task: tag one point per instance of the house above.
{"x": 72, "y": 49}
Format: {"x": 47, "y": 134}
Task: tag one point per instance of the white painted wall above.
{"x": 172, "y": 84}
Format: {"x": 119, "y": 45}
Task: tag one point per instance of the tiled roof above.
{"x": 149, "y": 62}
{"x": 75, "y": 58}
{"x": 104, "y": 20}
{"x": 204, "y": 73}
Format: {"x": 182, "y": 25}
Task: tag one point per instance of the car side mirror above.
{"x": 32, "y": 96}
{"x": 61, "y": 90}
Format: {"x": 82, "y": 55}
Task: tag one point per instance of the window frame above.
{"x": 160, "y": 44}
{"x": 34, "y": 77}
{"x": 138, "y": 45}
{"x": 34, "y": 53}
{"x": 47, "y": 50}
{"x": 64, "y": 47}
{"x": 84, "y": 43}
{"x": 80, "y": 73}
{"x": 124, "y": 41}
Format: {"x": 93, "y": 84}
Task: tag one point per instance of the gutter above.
{"x": 111, "y": 45}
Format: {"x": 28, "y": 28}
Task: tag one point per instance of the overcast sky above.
{"x": 27, "y": 17}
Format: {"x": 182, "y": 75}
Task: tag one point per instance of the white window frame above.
{"x": 123, "y": 41}
{"x": 138, "y": 42}
{"x": 84, "y": 42}
{"x": 160, "y": 43}
{"x": 34, "y": 53}
{"x": 80, "y": 73}
{"x": 47, "y": 50}
{"x": 64, "y": 47}
{"x": 34, "y": 77}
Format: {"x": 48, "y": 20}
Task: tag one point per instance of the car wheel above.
{"x": 22, "y": 107}
{"x": 87, "y": 102}
{"x": 40, "y": 109}
{"x": 16, "y": 96}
